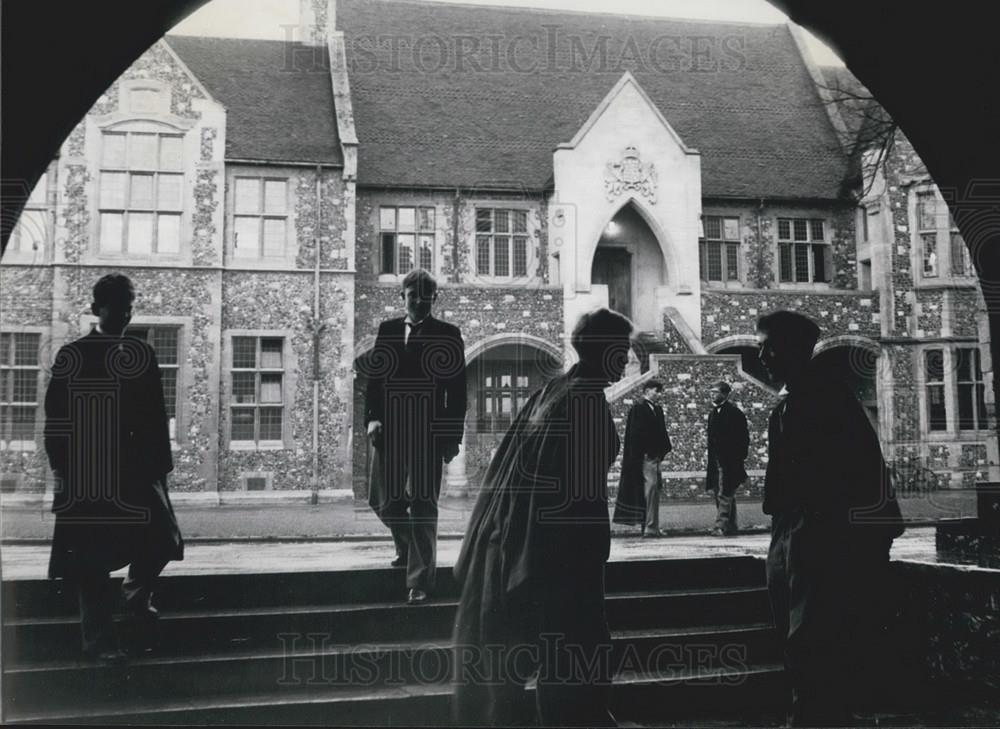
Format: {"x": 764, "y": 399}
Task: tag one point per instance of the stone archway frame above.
{"x": 738, "y": 340}
{"x": 663, "y": 240}
{"x": 485, "y": 344}
{"x": 853, "y": 341}
{"x": 847, "y": 340}
{"x": 733, "y": 340}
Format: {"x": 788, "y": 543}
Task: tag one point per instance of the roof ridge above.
{"x": 187, "y": 36}
{"x": 584, "y": 13}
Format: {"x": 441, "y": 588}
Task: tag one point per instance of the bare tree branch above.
{"x": 870, "y": 135}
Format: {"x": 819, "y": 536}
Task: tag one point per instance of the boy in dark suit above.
{"x": 646, "y": 443}
{"x": 728, "y": 443}
{"x": 415, "y": 414}
{"x": 834, "y": 516}
{"x": 108, "y": 443}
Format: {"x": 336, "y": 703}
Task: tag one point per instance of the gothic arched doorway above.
{"x": 628, "y": 260}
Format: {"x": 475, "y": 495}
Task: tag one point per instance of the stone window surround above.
{"x": 945, "y": 278}
{"x": 289, "y": 365}
{"x": 268, "y": 477}
{"x": 951, "y": 432}
{"x": 741, "y": 265}
{"x": 776, "y": 247}
{"x": 868, "y": 219}
{"x": 122, "y": 122}
{"x": 533, "y": 233}
{"x": 517, "y": 393}
{"x": 39, "y": 201}
{"x": 184, "y": 325}
{"x": 44, "y": 357}
{"x": 129, "y": 87}
{"x": 267, "y": 263}
{"x": 377, "y": 249}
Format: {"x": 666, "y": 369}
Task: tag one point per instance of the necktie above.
{"x": 411, "y": 328}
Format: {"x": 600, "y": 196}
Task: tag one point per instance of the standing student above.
{"x": 415, "y": 416}
{"x": 532, "y": 562}
{"x": 834, "y": 517}
{"x": 646, "y": 444}
{"x": 728, "y": 443}
{"x": 108, "y": 443}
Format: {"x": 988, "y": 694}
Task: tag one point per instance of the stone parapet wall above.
{"x": 730, "y": 313}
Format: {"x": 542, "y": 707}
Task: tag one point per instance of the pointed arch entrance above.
{"x": 629, "y": 260}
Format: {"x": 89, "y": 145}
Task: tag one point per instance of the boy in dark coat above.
{"x": 415, "y": 415}
{"x": 646, "y": 443}
{"x": 532, "y": 562}
{"x": 834, "y": 517}
{"x": 108, "y": 443}
{"x": 728, "y": 443}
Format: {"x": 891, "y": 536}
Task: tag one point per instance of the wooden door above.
{"x": 613, "y": 268}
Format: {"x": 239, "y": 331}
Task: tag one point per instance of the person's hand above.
{"x": 449, "y": 452}
{"x": 374, "y": 428}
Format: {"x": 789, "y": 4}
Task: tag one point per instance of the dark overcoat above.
{"x": 728, "y": 445}
{"x": 835, "y": 516}
{"x": 645, "y": 436}
{"x": 416, "y": 389}
{"x": 824, "y": 460}
{"x": 538, "y": 539}
{"x": 108, "y": 443}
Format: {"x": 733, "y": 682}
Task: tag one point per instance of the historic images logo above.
{"x": 548, "y": 50}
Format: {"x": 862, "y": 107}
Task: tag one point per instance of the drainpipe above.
{"x": 317, "y": 328}
{"x": 760, "y": 245}
{"x": 454, "y": 235}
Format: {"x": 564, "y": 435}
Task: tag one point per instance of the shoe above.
{"x": 416, "y": 597}
{"x": 143, "y": 612}
{"x": 718, "y": 532}
{"x": 399, "y": 561}
{"x": 652, "y": 534}
{"x": 113, "y": 657}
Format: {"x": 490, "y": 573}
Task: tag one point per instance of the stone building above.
{"x": 267, "y": 197}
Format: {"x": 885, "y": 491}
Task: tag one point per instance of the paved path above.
{"x": 30, "y": 562}
{"x": 355, "y": 520}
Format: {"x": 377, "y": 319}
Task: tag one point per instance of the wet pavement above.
{"x": 21, "y": 562}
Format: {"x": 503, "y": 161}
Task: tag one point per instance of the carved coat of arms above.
{"x": 630, "y": 174}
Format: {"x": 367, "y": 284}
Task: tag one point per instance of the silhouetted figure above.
{"x": 728, "y": 443}
{"x": 834, "y": 516}
{"x": 532, "y": 561}
{"x": 646, "y": 443}
{"x": 108, "y": 443}
{"x": 415, "y": 416}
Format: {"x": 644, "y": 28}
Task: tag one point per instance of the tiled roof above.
{"x": 277, "y": 95}
{"x": 437, "y": 119}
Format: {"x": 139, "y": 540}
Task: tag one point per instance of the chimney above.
{"x": 317, "y": 20}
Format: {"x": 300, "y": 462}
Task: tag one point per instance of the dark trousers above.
{"x": 651, "y": 486}
{"x": 412, "y": 516}
{"x": 808, "y": 581}
{"x": 97, "y": 601}
{"x": 725, "y": 500}
{"x": 574, "y": 677}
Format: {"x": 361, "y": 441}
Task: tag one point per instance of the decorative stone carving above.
{"x": 630, "y": 174}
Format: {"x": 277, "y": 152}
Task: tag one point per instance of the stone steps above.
{"x": 754, "y": 689}
{"x": 341, "y": 648}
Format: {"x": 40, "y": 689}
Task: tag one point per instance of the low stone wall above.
{"x": 686, "y": 403}
{"x": 949, "y": 624}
